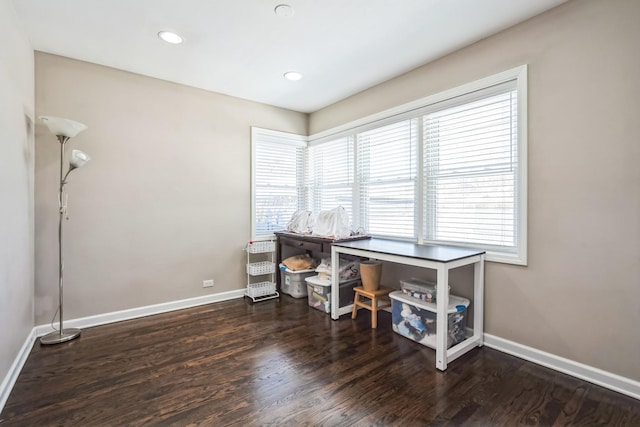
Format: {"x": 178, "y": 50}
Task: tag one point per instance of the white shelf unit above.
{"x": 264, "y": 289}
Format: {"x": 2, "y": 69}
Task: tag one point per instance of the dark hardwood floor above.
{"x": 281, "y": 362}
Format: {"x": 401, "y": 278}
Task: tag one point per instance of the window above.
{"x": 470, "y": 171}
{"x": 277, "y": 179}
{"x": 330, "y": 176}
{"x": 387, "y": 179}
{"x": 447, "y": 169}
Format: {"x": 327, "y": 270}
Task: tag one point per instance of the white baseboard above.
{"x": 11, "y": 377}
{"x": 588, "y": 373}
{"x": 118, "y": 316}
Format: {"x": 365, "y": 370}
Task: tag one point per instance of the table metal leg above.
{"x": 335, "y": 283}
{"x": 478, "y": 301}
{"x": 442, "y": 327}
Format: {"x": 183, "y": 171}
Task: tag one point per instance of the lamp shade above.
{"x": 63, "y": 127}
{"x": 78, "y": 158}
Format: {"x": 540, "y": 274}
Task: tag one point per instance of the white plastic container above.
{"x": 421, "y": 289}
{"x": 417, "y": 320}
{"x": 292, "y": 282}
{"x": 319, "y": 293}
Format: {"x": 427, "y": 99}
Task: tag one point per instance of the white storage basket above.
{"x": 259, "y": 289}
{"x": 258, "y": 268}
{"x": 260, "y": 247}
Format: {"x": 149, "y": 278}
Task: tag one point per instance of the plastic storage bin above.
{"x": 416, "y": 319}
{"x": 292, "y": 282}
{"x": 319, "y": 293}
{"x": 421, "y": 289}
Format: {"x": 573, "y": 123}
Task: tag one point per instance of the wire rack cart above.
{"x": 266, "y": 270}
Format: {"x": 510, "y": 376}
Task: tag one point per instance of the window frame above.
{"x": 494, "y": 252}
{"x": 419, "y": 107}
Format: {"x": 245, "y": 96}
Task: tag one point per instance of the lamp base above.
{"x": 56, "y": 337}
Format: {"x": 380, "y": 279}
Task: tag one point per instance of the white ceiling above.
{"x": 242, "y": 48}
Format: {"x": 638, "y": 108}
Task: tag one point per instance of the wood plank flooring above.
{"x": 281, "y": 362}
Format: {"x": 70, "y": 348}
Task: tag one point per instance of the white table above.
{"x": 436, "y": 257}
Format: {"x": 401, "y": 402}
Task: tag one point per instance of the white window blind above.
{"x": 330, "y": 176}
{"x": 278, "y": 178}
{"x": 470, "y": 172}
{"x": 387, "y": 179}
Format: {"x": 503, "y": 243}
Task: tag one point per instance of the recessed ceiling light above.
{"x": 292, "y": 75}
{"x": 170, "y": 37}
{"x": 283, "y": 10}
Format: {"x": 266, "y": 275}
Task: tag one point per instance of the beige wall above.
{"x": 164, "y": 202}
{"x": 16, "y": 188}
{"x": 579, "y": 296}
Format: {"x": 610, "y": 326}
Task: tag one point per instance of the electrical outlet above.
{"x": 207, "y": 283}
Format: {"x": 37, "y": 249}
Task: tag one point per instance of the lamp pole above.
{"x": 63, "y": 208}
{"x": 64, "y": 129}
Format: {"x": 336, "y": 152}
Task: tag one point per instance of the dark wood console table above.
{"x": 306, "y": 243}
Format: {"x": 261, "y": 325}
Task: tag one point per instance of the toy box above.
{"x": 416, "y": 319}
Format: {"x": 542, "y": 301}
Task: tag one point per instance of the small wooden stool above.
{"x": 381, "y": 295}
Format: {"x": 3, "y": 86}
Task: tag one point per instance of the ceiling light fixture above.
{"x": 292, "y": 75}
{"x": 283, "y": 10}
{"x": 170, "y": 37}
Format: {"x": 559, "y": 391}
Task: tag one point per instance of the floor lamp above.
{"x": 63, "y": 129}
